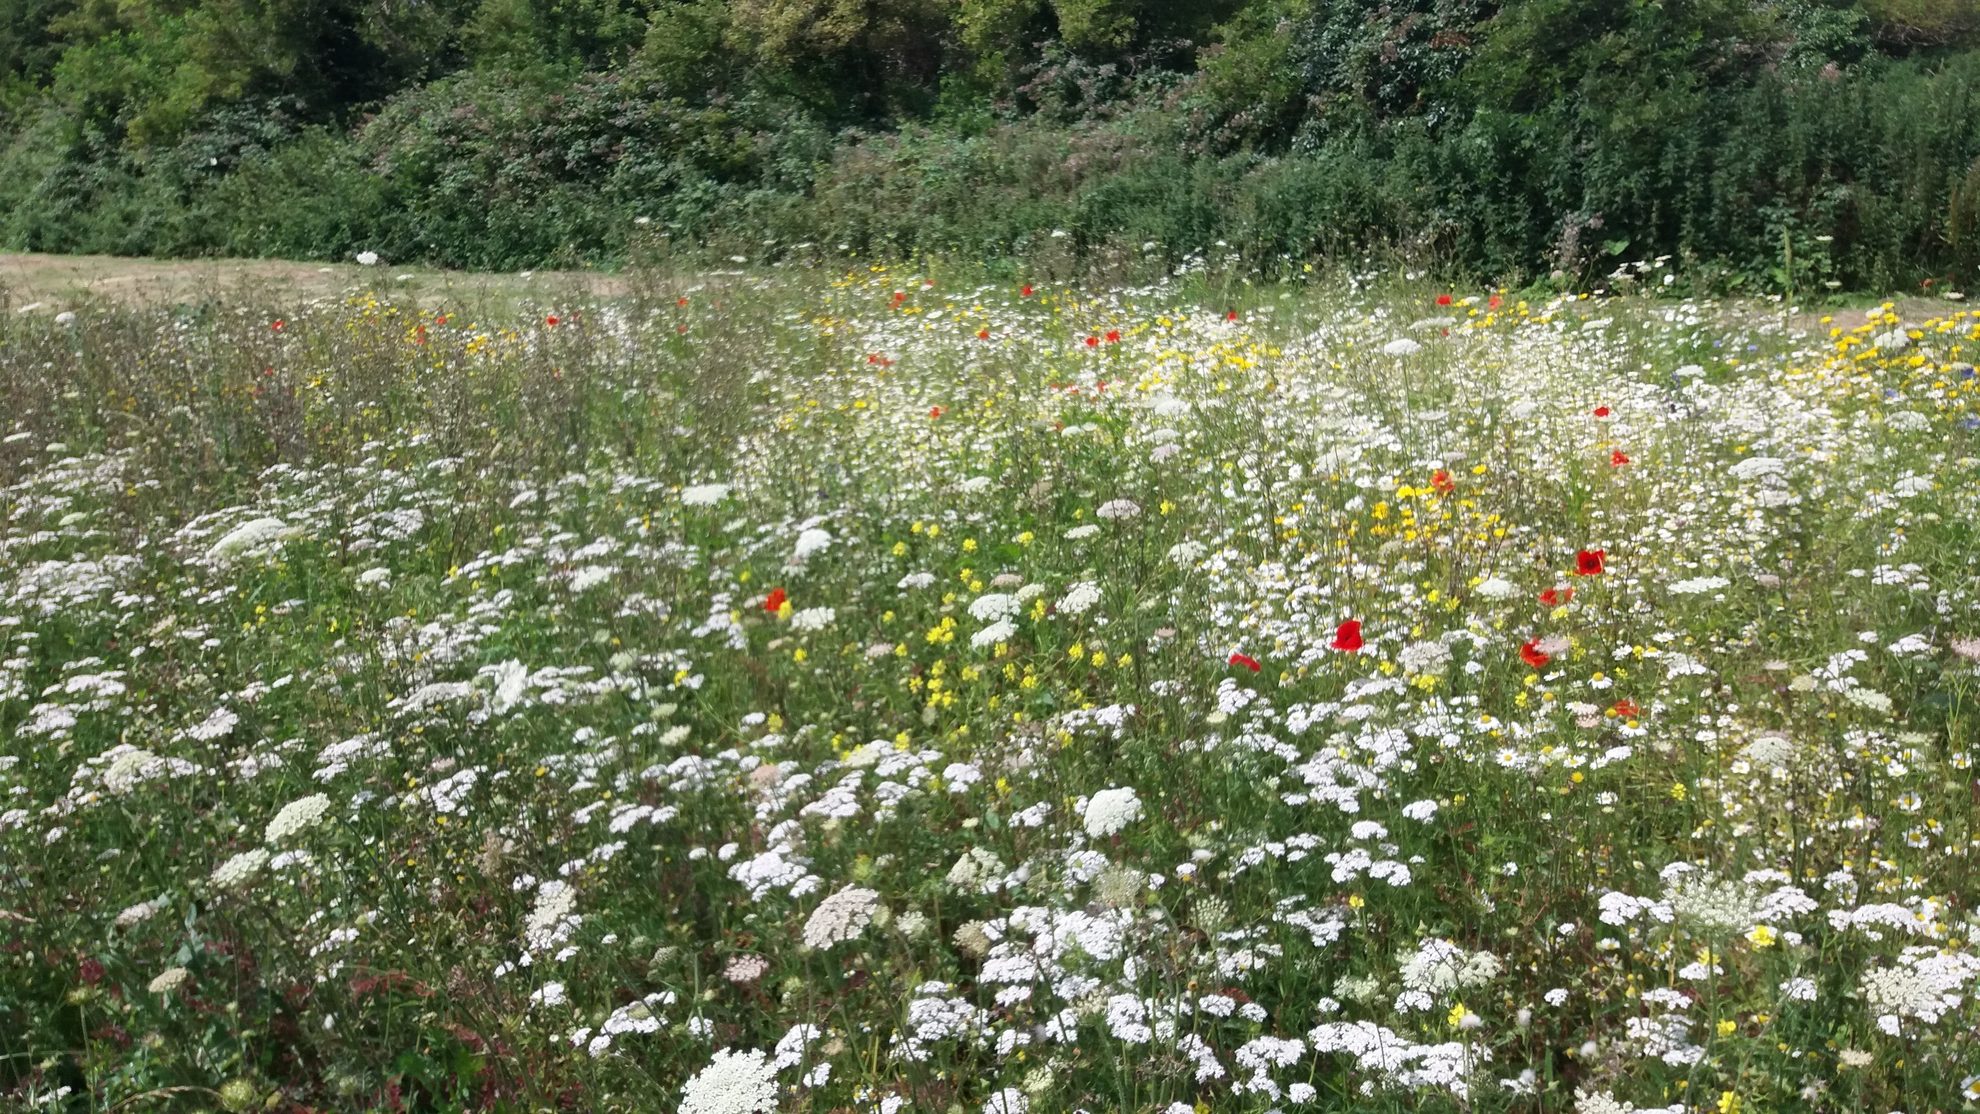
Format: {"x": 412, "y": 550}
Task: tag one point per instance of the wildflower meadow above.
{"x": 888, "y": 691}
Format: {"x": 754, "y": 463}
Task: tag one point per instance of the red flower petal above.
{"x": 1347, "y": 636}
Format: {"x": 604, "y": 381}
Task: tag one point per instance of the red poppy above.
{"x": 1113, "y": 336}
{"x": 551, "y": 320}
{"x": 277, "y": 326}
{"x": 1245, "y": 660}
{"x": 1494, "y": 302}
{"x": 1533, "y": 655}
{"x": 1626, "y": 708}
{"x": 1588, "y": 562}
{"x": 774, "y": 602}
{"x": 1444, "y": 299}
{"x": 681, "y": 301}
{"x": 1025, "y": 291}
{"x": 1601, "y": 411}
{"x": 927, "y": 282}
{"x": 934, "y": 411}
{"x": 900, "y": 296}
{"x": 439, "y": 319}
{"x": 983, "y": 334}
{"x": 1442, "y": 481}
{"x": 1093, "y": 342}
{"x": 1347, "y": 636}
{"x": 1230, "y": 315}
{"x": 1618, "y": 458}
{"x": 1555, "y": 597}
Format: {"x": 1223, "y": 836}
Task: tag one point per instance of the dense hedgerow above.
{"x": 1771, "y": 146}
{"x": 893, "y": 691}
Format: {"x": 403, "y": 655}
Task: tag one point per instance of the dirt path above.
{"x": 34, "y": 283}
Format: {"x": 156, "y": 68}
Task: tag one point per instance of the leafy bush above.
{"x": 1775, "y": 144}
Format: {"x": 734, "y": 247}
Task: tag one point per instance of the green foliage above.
{"x": 1914, "y": 24}
{"x": 1383, "y": 59}
{"x": 1503, "y": 137}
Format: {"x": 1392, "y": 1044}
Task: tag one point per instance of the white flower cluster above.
{"x": 841, "y": 917}
{"x": 1080, "y": 598}
{"x": 1925, "y": 985}
{"x": 237, "y": 871}
{"x": 732, "y": 1083}
{"x": 704, "y": 495}
{"x": 1110, "y": 811}
{"x": 296, "y": 817}
{"x": 813, "y": 619}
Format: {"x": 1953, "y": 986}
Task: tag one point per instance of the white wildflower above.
{"x": 1110, "y": 811}
{"x": 296, "y": 817}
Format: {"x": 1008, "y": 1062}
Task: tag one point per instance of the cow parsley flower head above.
{"x": 142, "y": 911}
{"x": 1704, "y": 901}
{"x": 248, "y": 536}
{"x": 296, "y": 817}
{"x": 814, "y": 618}
{"x": 746, "y": 968}
{"x": 1187, "y": 553}
{"x": 810, "y": 542}
{"x": 1003, "y": 630}
{"x": 732, "y": 1083}
{"x": 992, "y": 606}
{"x": 1110, "y": 811}
{"x": 236, "y": 872}
{"x": 704, "y": 495}
{"x": 1080, "y": 598}
{"x": 841, "y": 917}
{"x": 1429, "y": 657}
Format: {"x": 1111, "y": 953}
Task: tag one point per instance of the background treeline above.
{"x": 1763, "y": 144}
